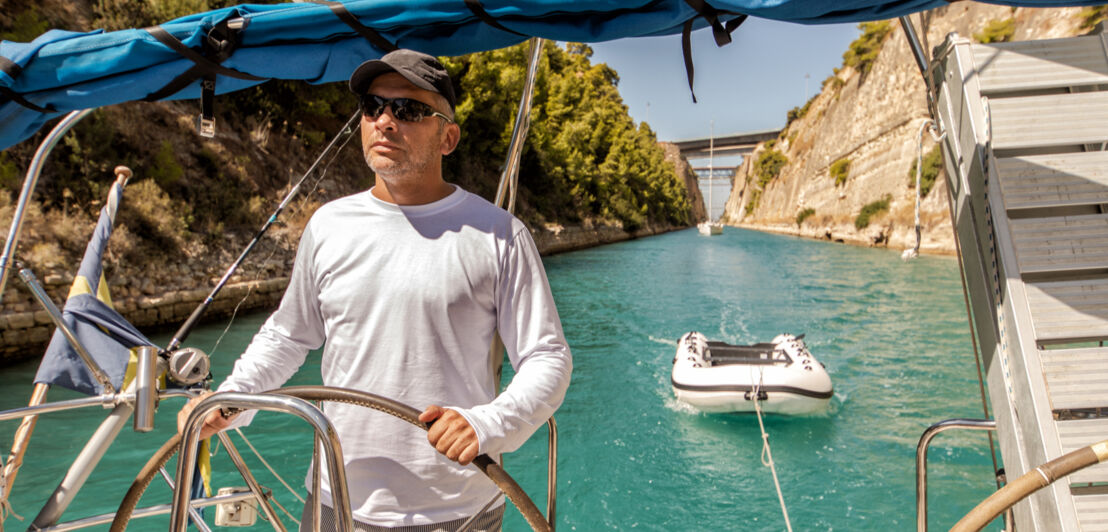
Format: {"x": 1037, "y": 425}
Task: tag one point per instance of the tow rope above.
{"x": 767, "y": 454}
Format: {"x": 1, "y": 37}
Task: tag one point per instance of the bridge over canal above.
{"x": 723, "y": 146}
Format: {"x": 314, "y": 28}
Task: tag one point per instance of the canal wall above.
{"x": 852, "y": 147}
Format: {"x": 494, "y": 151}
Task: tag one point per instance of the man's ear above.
{"x": 451, "y": 135}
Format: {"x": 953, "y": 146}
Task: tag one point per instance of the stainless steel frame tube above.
{"x": 83, "y": 465}
{"x": 56, "y": 316}
{"x": 917, "y": 48}
{"x": 29, "y": 182}
{"x": 921, "y": 459}
{"x": 273, "y": 403}
{"x": 552, "y": 472}
{"x": 146, "y": 388}
{"x": 510, "y": 177}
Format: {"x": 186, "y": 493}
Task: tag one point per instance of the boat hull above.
{"x": 777, "y": 400}
{"x": 709, "y": 228}
{"x": 781, "y": 377}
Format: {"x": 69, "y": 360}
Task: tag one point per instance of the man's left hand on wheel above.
{"x": 450, "y": 434}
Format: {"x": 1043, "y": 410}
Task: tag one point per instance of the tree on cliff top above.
{"x": 584, "y": 159}
{"x": 863, "y": 51}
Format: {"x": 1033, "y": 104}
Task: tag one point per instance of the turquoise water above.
{"x": 892, "y": 334}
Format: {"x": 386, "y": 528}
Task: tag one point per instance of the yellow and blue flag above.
{"x": 88, "y": 311}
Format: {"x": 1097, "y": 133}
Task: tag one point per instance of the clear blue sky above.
{"x": 748, "y": 85}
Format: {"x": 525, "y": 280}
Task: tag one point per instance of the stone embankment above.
{"x": 26, "y": 328}
{"x": 162, "y": 300}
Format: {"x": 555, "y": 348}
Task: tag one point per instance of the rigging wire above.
{"x": 767, "y": 454}
{"x": 267, "y": 466}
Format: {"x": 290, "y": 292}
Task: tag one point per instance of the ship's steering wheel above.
{"x": 490, "y": 468}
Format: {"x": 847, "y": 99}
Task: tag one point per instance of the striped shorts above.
{"x": 488, "y": 521}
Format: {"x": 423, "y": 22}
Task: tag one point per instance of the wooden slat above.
{"x": 1077, "y": 433}
{"x": 1076, "y": 378}
{"x": 1061, "y": 180}
{"x": 1061, "y": 244}
{"x": 1036, "y": 65}
{"x": 1049, "y": 121}
{"x": 1068, "y": 310}
{"x": 1092, "y": 512}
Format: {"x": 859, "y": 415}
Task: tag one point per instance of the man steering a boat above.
{"x": 405, "y": 286}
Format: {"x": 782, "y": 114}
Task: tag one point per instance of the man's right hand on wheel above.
{"x": 214, "y": 422}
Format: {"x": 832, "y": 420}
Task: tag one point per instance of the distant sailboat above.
{"x": 709, "y": 227}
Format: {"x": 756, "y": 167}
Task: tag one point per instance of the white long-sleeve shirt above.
{"x": 405, "y": 301}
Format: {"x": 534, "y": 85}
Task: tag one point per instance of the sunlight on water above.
{"x": 892, "y": 334}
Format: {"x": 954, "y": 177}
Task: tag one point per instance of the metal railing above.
{"x": 324, "y": 430}
{"x": 921, "y": 459}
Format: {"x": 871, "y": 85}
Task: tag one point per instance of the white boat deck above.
{"x": 1028, "y": 128}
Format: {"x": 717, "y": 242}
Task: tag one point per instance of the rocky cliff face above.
{"x": 872, "y": 121}
{"x": 692, "y": 184}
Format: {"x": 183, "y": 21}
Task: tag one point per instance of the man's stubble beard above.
{"x": 413, "y": 164}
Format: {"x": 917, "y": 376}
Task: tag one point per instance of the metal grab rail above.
{"x": 325, "y": 431}
{"x": 551, "y": 471}
{"x": 921, "y": 459}
{"x": 29, "y": 182}
{"x": 509, "y": 177}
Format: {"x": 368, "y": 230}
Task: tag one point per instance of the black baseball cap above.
{"x": 422, "y": 70}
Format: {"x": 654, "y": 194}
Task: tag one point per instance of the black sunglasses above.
{"x": 404, "y": 109}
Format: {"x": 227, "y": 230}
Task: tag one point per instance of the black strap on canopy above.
{"x": 367, "y": 32}
{"x": 477, "y": 9}
{"x": 219, "y": 46}
{"x": 9, "y": 67}
{"x": 13, "y": 96}
{"x": 12, "y": 69}
{"x": 720, "y": 31}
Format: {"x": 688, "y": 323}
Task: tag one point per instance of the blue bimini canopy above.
{"x": 322, "y": 41}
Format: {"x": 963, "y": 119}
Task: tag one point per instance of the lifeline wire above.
{"x": 767, "y": 455}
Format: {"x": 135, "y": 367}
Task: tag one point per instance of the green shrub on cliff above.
{"x": 585, "y": 158}
{"x": 804, "y": 215}
{"x": 863, "y": 51}
{"x": 840, "y": 171}
{"x": 768, "y": 166}
{"x": 796, "y": 113}
{"x": 932, "y": 165}
{"x": 870, "y": 210}
{"x": 755, "y": 200}
{"x": 1093, "y": 15}
{"x": 996, "y": 31}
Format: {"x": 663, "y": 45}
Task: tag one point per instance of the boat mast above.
{"x": 711, "y": 170}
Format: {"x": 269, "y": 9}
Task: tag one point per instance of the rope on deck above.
{"x": 767, "y": 454}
